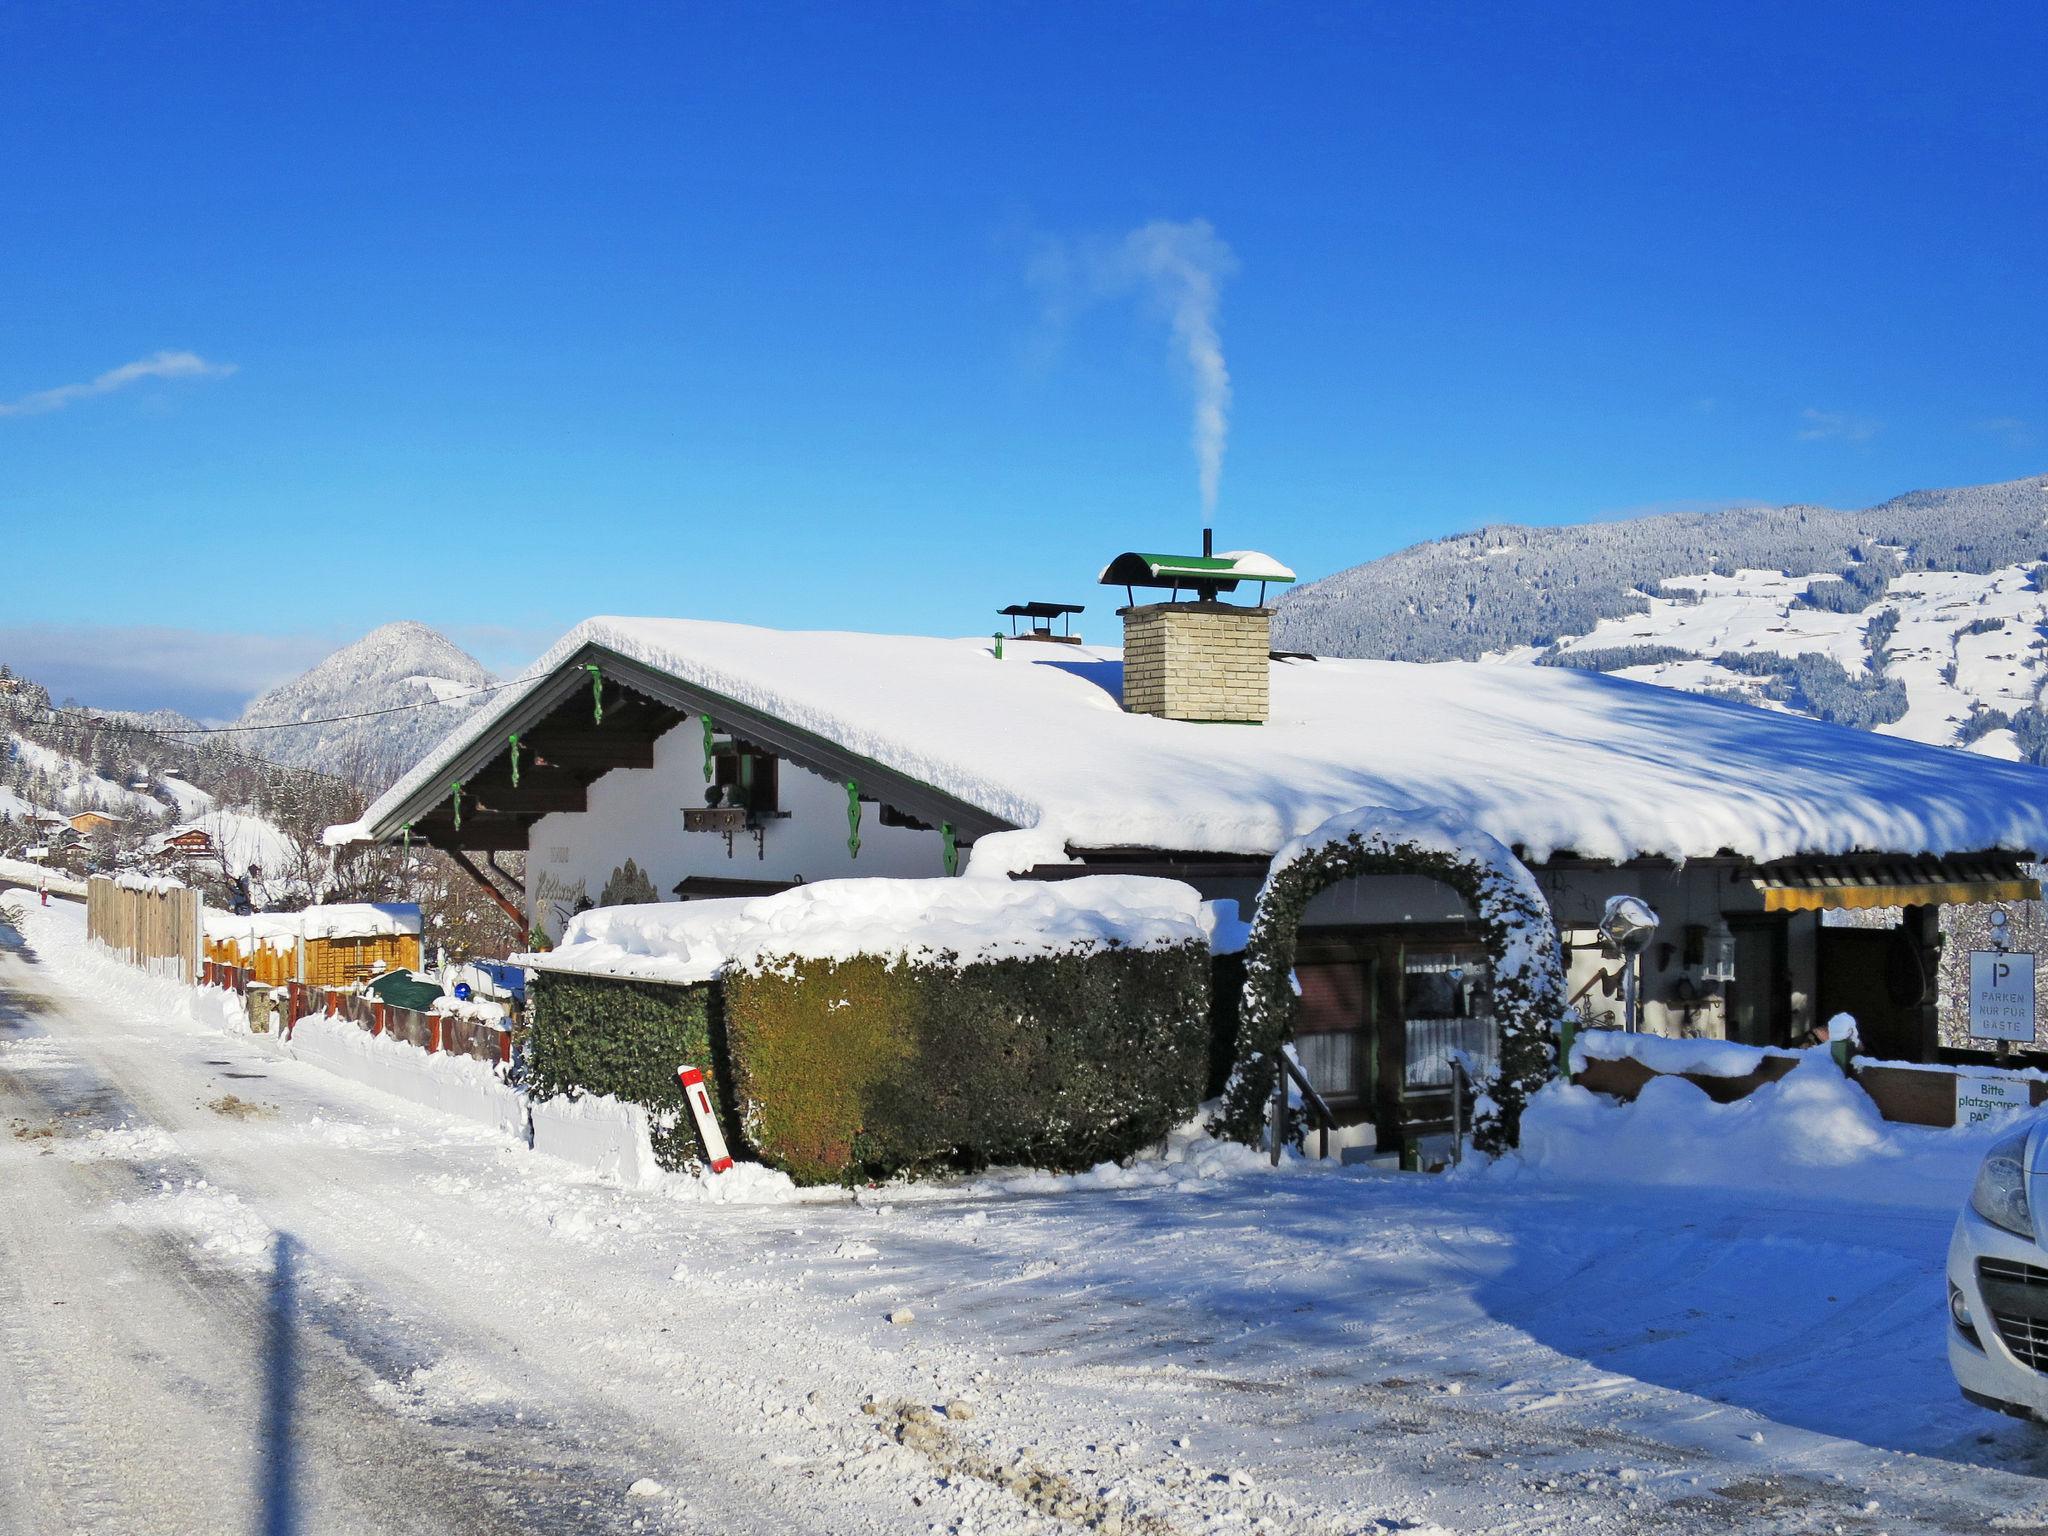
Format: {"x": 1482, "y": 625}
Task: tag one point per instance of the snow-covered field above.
{"x": 1963, "y": 640}
{"x": 237, "y": 1292}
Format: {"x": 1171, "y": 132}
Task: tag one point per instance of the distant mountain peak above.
{"x": 370, "y": 709}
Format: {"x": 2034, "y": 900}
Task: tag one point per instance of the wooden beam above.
{"x": 527, "y": 800}
{"x": 490, "y": 889}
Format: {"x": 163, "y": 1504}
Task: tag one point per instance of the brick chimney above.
{"x": 1197, "y": 661}
{"x": 1201, "y": 659}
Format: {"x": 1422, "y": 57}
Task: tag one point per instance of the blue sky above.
{"x": 498, "y": 316}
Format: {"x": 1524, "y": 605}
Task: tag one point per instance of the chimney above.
{"x": 1198, "y": 658}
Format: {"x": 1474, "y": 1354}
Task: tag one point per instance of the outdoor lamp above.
{"x": 1718, "y": 963}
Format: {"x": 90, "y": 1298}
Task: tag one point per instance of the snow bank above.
{"x": 454, "y": 1085}
{"x": 1190, "y": 1159}
{"x": 1660, "y": 1053}
{"x": 1813, "y": 1132}
{"x": 37, "y": 874}
{"x": 611, "y": 1138}
{"x": 1543, "y": 758}
{"x": 344, "y": 920}
{"x": 839, "y": 919}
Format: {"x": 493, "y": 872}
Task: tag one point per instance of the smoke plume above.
{"x": 1178, "y": 268}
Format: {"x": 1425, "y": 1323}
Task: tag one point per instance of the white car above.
{"x": 1998, "y": 1280}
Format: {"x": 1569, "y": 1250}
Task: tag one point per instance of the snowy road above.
{"x": 238, "y": 1294}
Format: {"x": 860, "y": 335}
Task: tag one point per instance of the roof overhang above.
{"x": 565, "y": 746}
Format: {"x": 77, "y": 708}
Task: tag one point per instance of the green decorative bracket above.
{"x": 514, "y": 738}
{"x": 853, "y": 818}
{"x": 458, "y": 805}
{"x": 596, "y": 691}
{"x": 408, "y": 837}
{"x": 708, "y": 729}
{"x": 951, "y": 840}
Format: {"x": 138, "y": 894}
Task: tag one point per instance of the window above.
{"x": 1333, "y": 1038}
{"x": 745, "y": 779}
{"x": 1447, "y": 1005}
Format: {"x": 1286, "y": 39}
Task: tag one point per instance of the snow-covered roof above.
{"x": 971, "y": 920}
{"x": 341, "y": 920}
{"x": 1546, "y": 759}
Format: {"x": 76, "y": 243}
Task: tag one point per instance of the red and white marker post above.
{"x": 707, "y": 1123}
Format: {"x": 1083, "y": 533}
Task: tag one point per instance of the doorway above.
{"x": 1381, "y": 1010}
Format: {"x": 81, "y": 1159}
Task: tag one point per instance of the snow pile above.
{"x": 1190, "y": 1159}
{"x": 156, "y": 885}
{"x": 344, "y": 920}
{"x": 477, "y": 1010}
{"x": 1660, "y": 1053}
{"x": 216, "y": 1222}
{"x": 1542, "y": 758}
{"x": 1812, "y": 1132}
{"x": 37, "y": 874}
{"x": 840, "y": 919}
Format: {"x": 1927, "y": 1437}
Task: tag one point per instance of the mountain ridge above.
{"x": 1508, "y": 585}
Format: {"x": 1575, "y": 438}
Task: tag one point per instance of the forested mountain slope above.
{"x": 1507, "y": 586}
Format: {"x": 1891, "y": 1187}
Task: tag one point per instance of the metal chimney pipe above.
{"x": 1208, "y": 542}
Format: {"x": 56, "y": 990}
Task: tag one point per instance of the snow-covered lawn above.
{"x": 490, "y": 1340}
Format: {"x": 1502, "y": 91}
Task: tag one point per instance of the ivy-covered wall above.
{"x": 867, "y": 1067}
{"x": 602, "y": 1034}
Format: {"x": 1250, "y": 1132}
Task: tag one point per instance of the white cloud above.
{"x": 158, "y": 365}
{"x": 1180, "y": 267}
{"x": 1835, "y": 426}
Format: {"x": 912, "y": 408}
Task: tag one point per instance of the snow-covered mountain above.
{"x": 423, "y": 680}
{"x": 1946, "y": 657}
{"x": 1924, "y": 617}
{"x": 1505, "y": 585}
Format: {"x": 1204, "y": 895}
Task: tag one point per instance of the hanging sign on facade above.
{"x": 2001, "y": 995}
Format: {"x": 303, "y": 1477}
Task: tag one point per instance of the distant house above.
{"x": 727, "y": 760}
{"x": 188, "y": 846}
{"x": 89, "y": 822}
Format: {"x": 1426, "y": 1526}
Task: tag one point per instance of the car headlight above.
{"x": 2000, "y": 1196}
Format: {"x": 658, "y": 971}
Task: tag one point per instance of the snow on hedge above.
{"x": 1540, "y": 758}
{"x": 342, "y": 920}
{"x": 840, "y": 919}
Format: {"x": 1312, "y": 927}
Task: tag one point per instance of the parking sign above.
{"x": 2001, "y": 995}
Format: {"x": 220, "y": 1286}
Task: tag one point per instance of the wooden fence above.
{"x": 159, "y": 929}
{"x": 434, "y": 1033}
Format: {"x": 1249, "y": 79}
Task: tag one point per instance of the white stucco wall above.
{"x": 637, "y": 813}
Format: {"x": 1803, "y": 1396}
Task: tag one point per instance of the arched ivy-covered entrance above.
{"x": 1515, "y": 926}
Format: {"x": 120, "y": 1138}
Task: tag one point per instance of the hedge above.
{"x": 845, "y": 1069}
{"x": 603, "y": 1034}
